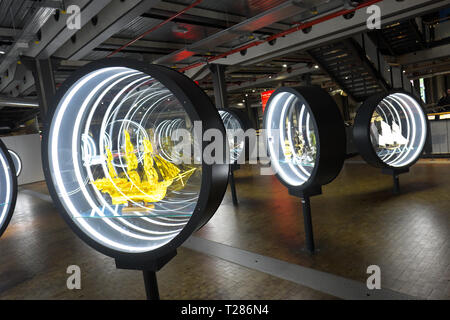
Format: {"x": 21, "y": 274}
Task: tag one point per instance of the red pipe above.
{"x": 194, "y": 4}
{"x": 284, "y": 33}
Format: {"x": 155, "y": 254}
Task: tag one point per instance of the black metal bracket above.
{"x": 149, "y": 269}
{"x": 305, "y": 195}
{"x": 395, "y": 177}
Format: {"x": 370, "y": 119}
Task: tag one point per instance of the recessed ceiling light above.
{"x": 316, "y": 66}
{"x": 285, "y": 65}
{"x": 2, "y": 52}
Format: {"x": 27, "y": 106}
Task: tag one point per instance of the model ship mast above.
{"x": 129, "y": 188}
{"x": 389, "y": 137}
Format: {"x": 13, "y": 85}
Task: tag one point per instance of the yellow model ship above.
{"x": 129, "y": 188}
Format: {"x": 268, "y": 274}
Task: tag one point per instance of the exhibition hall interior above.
{"x": 225, "y": 150}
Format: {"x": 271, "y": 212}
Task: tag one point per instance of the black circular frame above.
{"x": 362, "y": 136}
{"x": 10, "y": 170}
{"x": 329, "y": 130}
{"x": 214, "y": 176}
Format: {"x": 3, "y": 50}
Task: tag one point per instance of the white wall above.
{"x": 28, "y": 147}
{"x": 440, "y": 136}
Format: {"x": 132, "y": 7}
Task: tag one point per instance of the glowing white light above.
{"x": 280, "y": 117}
{"x": 404, "y": 130}
{"x": 93, "y": 126}
{"x": 17, "y": 162}
{"x": 233, "y": 127}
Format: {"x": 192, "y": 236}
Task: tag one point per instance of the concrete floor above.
{"x": 357, "y": 222}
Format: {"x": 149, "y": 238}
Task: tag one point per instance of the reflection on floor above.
{"x": 357, "y": 221}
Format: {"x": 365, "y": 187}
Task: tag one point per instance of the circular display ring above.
{"x": 236, "y": 125}
{"x": 17, "y": 162}
{"x": 121, "y": 160}
{"x": 8, "y": 188}
{"x": 305, "y": 137}
{"x": 390, "y": 130}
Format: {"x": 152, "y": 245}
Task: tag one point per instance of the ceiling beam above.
{"x": 424, "y": 55}
{"x": 55, "y": 33}
{"x": 21, "y": 44}
{"x": 244, "y": 29}
{"x": 9, "y": 32}
{"x": 118, "y": 42}
{"x": 332, "y": 30}
{"x": 116, "y": 15}
{"x": 297, "y": 70}
{"x": 210, "y": 14}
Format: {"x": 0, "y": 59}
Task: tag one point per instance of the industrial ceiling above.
{"x": 264, "y": 43}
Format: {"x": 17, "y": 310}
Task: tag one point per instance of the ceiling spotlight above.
{"x": 243, "y": 100}
{"x": 2, "y": 52}
{"x": 316, "y": 66}
{"x": 284, "y": 65}
{"x": 246, "y": 94}
{"x": 253, "y": 90}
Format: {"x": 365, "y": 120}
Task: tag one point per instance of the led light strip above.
{"x": 53, "y": 155}
{"x": 90, "y": 93}
{"x": 302, "y": 173}
{"x": 89, "y": 171}
{"x": 409, "y": 136}
{"x": 422, "y": 129}
{"x": 288, "y": 101}
{"x": 415, "y": 128}
{"x": 16, "y": 157}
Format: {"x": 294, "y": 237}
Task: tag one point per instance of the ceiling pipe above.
{"x": 298, "y": 27}
{"x": 194, "y": 4}
{"x": 18, "y": 102}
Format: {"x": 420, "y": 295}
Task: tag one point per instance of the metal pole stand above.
{"x": 309, "y": 235}
{"x": 151, "y": 285}
{"x": 149, "y": 269}
{"x": 305, "y": 195}
{"x": 233, "y": 167}
{"x": 395, "y": 177}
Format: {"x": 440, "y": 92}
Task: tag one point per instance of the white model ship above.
{"x": 391, "y": 136}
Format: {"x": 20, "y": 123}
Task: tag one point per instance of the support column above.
{"x": 220, "y": 85}
{"x": 43, "y": 73}
{"x": 345, "y": 108}
{"x": 251, "y": 113}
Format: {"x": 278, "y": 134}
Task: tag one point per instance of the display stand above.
{"x": 395, "y": 177}
{"x": 233, "y": 167}
{"x": 305, "y": 195}
{"x": 149, "y": 269}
